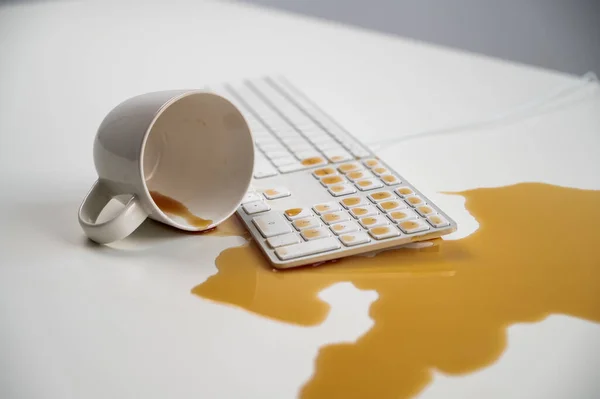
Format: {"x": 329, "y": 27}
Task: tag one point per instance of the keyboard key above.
{"x": 291, "y": 167}
{"x": 437, "y": 221}
{"x": 329, "y": 180}
{"x": 358, "y": 151}
{"x": 272, "y": 146}
{"x": 404, "y": 191}
{"x": 368, "y": 184}
{"x": 341, "y": 189}
{"x": 356, "y": 238}
{"x": 362, "y": 211}
{"x": 297, "y": 213}
{"x": 371, "y": 163}
{"x": 328, "y": 145}
{"x": 307, "y": 248}
{"x": 318, "y": 137}
{"x": 380, "y": 196}
{"x": 316, "y": 233}
{"x": 402, "y": 215}
{"x": 413, "y": 226}
{"x": 380, "y": 170}
{"x": 350, "y": 167}
{"x": 344, "y": 227}
{"x": 391, "y": 180}
{"x": 272, "y": 155}
{"x": 263, "y": 168}
{"x": 283, "y": 161}
{"x": 383, "y": 232}
{"x": 284, "y": 239}
{"x": 272, "y": 224}
{"x": 414, "y": 200}
{"x": 251, "y": 196}
{"x": 353, "y": 201}
{"x": 335, "y": 217}
{"x": 306, "y": 223}
{"x": 425, "y": 210}
{"x": 358, "y": 175}
{"x": 389, "y": 206}
{"x": 303, "y": 146}
{"x": 255, "y": 207}
{"x": 338, "y": 155}
{"x": 260, "y": 174}
{"x": 373, "y": 221}
{"x": 306, "y": 154}
{"x": 314, "y": 161}
{"x": 326, "y": 207}
{"x": 322, "y": 172}
{"x": 276, "y": 192}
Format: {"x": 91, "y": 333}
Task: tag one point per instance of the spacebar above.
{"x": 307, "y": 248}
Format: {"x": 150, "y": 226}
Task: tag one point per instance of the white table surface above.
{"x": 78, "y": 323}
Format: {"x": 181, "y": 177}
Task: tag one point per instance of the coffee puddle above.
{"x": 445, "y": 308}
{"x": 175, "y": 208}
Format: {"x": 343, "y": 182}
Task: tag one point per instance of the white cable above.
{"x": 521, "y": 110}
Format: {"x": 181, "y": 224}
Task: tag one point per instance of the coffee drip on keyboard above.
{"x": 445, "y": 308}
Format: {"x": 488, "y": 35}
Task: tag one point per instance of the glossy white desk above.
{"x": 82, "y": 322}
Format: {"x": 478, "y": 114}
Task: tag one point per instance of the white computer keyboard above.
{"x": 319, "y": 194}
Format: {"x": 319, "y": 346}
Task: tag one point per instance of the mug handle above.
{"x": 120, "y": 226}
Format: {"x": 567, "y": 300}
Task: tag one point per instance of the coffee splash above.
{"x": 173, "y": 207}
{"x": 534, "y": 254}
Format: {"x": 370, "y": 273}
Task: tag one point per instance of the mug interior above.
{"x": 197, "y": 160}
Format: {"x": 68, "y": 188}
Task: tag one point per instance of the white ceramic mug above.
{"x": 184, "y": 158}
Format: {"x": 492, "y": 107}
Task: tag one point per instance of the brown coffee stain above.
{"x": 313, "y": 161}
{"x": 332, "y": 180}
{"x": 403, "y": 191}
{"x": 351, "y": 201}
{"x": 312, "y": 233}
{"x": 348, "y": 167}
{"x": 339, "y": 227}
{"x": 355, "y": 175}
{"x": 380, "y": 171}
{"x": 387, "y": 205}
{"x": 372, "y": 163}
{"x": 331, "y": 217}
{"x": 271, "y": 192}
{"x": 359, "y": 211}
{"x": 399, "y": 215}
{"x": 445, "y": 309}
{"x": 414, "y": 200}
{"x": 368, "y": 221}
{"x": 425, "y": 210}
{"x": 380, "y": 230}
{"x": 389, "y": 179}
{"x": 171, "y": 206}
{"x": 321, "y": 208}
{"x": 381, "y": 195}
{"x": 293, "y": 212}
{"x": 324, "y": 172}
{"x": 436, "y": 219}
{"x": 337, "y": 189}
{"x": 303, "y": 223}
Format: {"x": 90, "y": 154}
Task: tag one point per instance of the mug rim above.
{"x": 140, "y": 160}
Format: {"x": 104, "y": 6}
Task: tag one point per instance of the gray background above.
{"x": 562, "y": 35}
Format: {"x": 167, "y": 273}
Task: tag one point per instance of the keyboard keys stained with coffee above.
{"x": 361, "y": 203}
